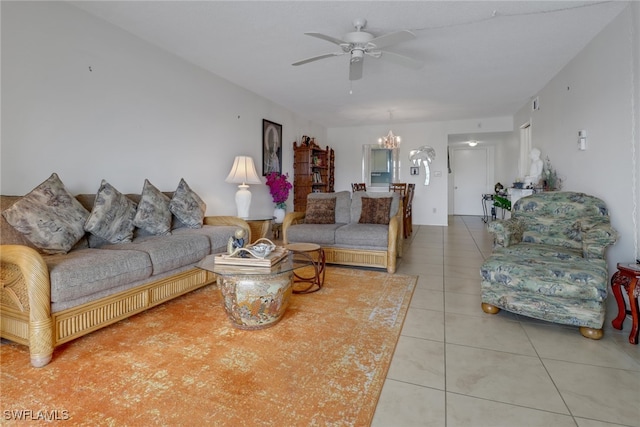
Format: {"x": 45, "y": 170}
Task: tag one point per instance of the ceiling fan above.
{"x": 360, "y": 43}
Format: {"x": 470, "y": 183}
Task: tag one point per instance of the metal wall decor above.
{"x": 423, "y": 155}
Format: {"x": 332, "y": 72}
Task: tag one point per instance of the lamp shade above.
{"x": 243, "y": 171}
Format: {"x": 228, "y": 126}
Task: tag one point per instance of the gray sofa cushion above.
{"x": 87, "y": 271}
{"x": 218, "y": 235}
{"x": 322, "y": 234}
{"x": 168, "y": 252}
{"x": 370, "y": 236}
{"x": 356, "y": 202}
{"x": 63, "y": 305}
{"x": 343, "y": 203}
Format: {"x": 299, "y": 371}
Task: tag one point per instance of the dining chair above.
{"x": 358, "y": 186}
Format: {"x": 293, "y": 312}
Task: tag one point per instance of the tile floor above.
{"x": 457, "y": 366}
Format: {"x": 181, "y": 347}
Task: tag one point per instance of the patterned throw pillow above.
{"x": 112, "y": 215}
{"x": 153, "y": 213}
{"x": 49, "y": 216}
{"x": 375, "y": 210}
{"x": 187, "y": 206}
{"x": 320, "y": 211}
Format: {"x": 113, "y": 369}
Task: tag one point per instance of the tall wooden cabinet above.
{"x": 313, "y": 171}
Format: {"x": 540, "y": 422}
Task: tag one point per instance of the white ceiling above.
{"x": 482, "y": 59}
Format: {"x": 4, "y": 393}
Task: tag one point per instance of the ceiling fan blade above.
{"x": 327, "y": 38}
{"x": 316, "y": 58}
{"x": 401, "y": 60}
{"x": 392, "y": 38}
{"x": 355, "y": 70}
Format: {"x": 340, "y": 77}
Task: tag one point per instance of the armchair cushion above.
{"x": 506, "y": 233}
{"x": 547, "y": 270}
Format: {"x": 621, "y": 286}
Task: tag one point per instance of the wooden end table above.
{"x": 627, "y": 278}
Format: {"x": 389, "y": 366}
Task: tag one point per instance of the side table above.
{"x": 305, "y": 252}
{"x": 627, "y": 278}
{"x": 259, "y": 226}
{"x": 276, "y": 229}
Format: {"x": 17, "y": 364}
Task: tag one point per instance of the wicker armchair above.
{"x": 549, "y": 261}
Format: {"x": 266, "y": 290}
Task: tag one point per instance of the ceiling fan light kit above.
{"x": 360, "y": 43}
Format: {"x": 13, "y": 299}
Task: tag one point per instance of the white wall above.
{"x": 88, "y": 101}
{"x": 348, "y": 141}
{"x": 594, "y": 92}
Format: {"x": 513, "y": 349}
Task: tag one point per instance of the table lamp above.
{"x": 243, "y": 172}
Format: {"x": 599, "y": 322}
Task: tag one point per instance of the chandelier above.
{"x": 389, "y": 141}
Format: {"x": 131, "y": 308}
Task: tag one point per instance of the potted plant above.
{"x": 279, "y": 187}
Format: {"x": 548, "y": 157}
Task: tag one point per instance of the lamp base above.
{"x": 243, "y": 200}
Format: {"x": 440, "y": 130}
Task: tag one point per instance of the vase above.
{"x": 279, "y": 214}
{"x": 255, "y": 301}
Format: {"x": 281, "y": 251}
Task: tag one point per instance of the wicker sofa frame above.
{"x": 25, "y": 299}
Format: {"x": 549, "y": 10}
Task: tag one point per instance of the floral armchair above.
{"x": 548, "y": 261}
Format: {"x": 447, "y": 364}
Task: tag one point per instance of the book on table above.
{"x": 269, "y": 261}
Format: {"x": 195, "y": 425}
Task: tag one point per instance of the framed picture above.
{"x": 271, "y": 147}
{"x": 414, "y": 170}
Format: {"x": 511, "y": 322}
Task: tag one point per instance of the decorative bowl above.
{"x": 261, "y": 250}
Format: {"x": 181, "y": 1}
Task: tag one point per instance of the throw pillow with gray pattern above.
{"x": 112, "y": 215}
{"x": 187, "y": 206}
{"x": 153, "y": 214}
{"x": 49, "y": 216}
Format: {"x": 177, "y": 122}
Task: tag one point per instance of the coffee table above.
{"x": 255, "y": 297}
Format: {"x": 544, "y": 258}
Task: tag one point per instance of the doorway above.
{"x": 472, "y": 173}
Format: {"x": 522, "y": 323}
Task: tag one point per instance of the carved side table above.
{"x": 627, "y": 278}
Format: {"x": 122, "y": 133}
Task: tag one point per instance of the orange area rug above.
{"x": 183, "y": 364}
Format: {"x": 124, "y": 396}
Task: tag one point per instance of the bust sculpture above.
{"x": 535, "y": 170}
{"x": 237, "y": 241}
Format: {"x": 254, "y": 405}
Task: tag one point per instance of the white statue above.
{"x": 535, "y": 170}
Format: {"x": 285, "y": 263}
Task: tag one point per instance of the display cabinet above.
{"x": 313, "y": 171}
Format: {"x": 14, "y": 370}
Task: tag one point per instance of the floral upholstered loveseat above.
{"x": 548, "y": 261}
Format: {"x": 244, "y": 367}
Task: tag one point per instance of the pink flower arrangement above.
{"x": 279, "y": 187}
